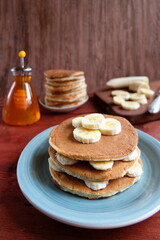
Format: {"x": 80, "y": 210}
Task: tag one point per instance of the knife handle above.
{"x": 154, "y": 107}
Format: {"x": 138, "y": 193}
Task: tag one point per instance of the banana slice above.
{"x": 147, "y": 92}
{"x": 96, "y": 185}
{"x": 135, "y": 170}
{"x": 118, "y": 100}
{"x": 65, "y": 160}
{"x": 86, "y": 135}
{"x": 133, "y": 155}
{"x": 136, "y": 85}
{"x": 121, "y": 93}
{"x": 111, "y": 126}
{"x": 52, "y": 165}
{"x": 77, "y": 122}
{"x": 125, "y": 81}
{"x": 128, "y": 105}
{"x": 93, "y": 121}
{"x": 101, "y": 165}
{"x": 140, "y": 98}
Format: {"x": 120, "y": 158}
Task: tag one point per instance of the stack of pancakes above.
{"x": 64, "y": 88}
{"x": 70, "y": 162}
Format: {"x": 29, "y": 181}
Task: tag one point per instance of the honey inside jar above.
{"x": 21, "y": 105}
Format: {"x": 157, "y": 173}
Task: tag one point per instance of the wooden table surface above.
{"x": 20, "y": 220}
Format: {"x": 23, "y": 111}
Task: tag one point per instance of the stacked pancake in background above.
{"x": 94, "y": 156}
{"x": 64, "y": 88}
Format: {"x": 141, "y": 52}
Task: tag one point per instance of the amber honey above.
{"x": 21, "y": 106}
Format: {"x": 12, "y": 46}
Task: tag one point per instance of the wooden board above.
{"x": 140, "y": 115}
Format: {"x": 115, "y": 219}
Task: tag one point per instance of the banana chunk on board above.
{"x": 136, "y": 85}
{"x": 128, "y": 105}
{"x": 147, "y": 92}
{"x": 124, "y": 82}
{"x": 140, "y": 98}
{"x": 121, "y": 93}
{"x": 118, "y": 100}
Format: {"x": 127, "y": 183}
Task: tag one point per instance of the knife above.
{"x": 154, "y": 107}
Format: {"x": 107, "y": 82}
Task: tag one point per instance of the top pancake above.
{"x": 109, "y": 147}
{"x": 60, "y": 73}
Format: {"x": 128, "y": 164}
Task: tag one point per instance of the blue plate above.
{"x": 133, "y": 205}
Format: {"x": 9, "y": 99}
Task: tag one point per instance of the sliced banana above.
{"x": 125, "y": 81}
{"x": 65, "y": 160}
{"x": 147, "y": 92}
{"x": 97, "y": 185}
{"x": 118, "y": 100}
{"x": 77, "y": 122}
{"x": 52, "y": 165}
{"x": 143, "y": 101}
{"x": 135, "y": 170}
{"x": 128, "y": 105}
{"x": 111, "y": 126}
{"x": 86, "y": 135}
{"x": 136, "y": 85}
{"x": 133, "y": 155}
{"x": 101, "y": 165}
{"x": 121, "y": 93}
{"x": 140, "y": 98}
{"x": 93, "y": 121}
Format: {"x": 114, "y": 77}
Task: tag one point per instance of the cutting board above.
{"x": 141, "y": 115}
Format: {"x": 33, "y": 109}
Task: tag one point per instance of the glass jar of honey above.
{"x": 21, "y": 105}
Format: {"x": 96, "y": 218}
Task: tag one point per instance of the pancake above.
{"x": 59, "y": 82}
{"x": 60, "y": 73}
{"x": 76, "y": 186}
{"x": 83, "y": 170}
{"x": 108, "y": 147}
{"x": 63, "y": 104}
{"x": 77, "y": 90}
{"x": 67, "y": 97}
{"x": 66, "y": 88}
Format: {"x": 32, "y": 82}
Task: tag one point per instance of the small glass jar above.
{"x": 21, "y": 105}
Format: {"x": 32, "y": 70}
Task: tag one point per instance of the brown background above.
{"x": 105, "y": 38}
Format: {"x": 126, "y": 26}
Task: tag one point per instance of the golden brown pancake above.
{"x": 60, "y": 73}
{"x": 66, "y": 88}
{"x": 63, "y": 104}
{"x": 68, "y": 98}
{"x": 76, "y": 186}
{"x": 59, "y": 82}
{"x": 109, "y": 147}
{"x": 60, "y": 104}
{"x": 83, "y": 170}
{"x": 80, "y": 89}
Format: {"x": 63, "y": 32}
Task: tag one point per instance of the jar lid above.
{"x": 25, "y": 69}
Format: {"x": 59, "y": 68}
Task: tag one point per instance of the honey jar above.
{"x": 21, "y": 105}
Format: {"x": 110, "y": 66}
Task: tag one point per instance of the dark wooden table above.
{"x": 20, "y": 220}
